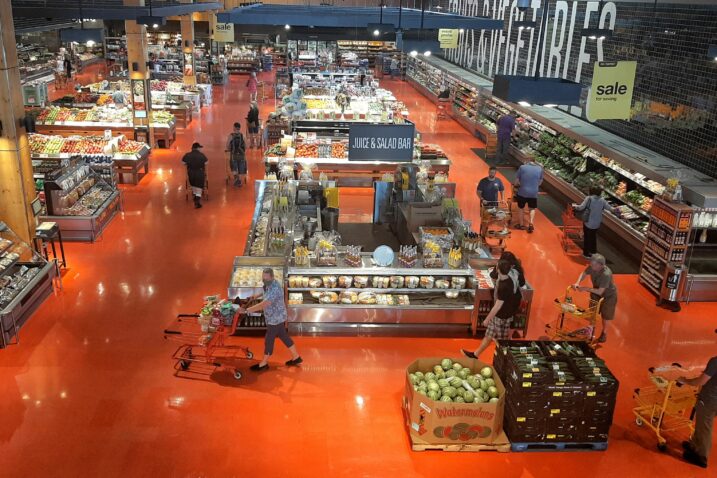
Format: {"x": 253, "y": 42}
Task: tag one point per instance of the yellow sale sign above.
{"x": 448, "y": 38}
{"x": 611, "y": 90}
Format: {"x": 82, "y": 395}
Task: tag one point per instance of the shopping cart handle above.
{"x": 675, "y": 364}
{"x": 172, "y": 332}
{"x": 187, "y": 315}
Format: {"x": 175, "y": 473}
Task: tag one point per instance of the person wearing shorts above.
{"x": 275, "y": 317}
{"x": 528, "y": 181}
{"x": 506, "y": 305}
{"x": 603, "y": 287}
{"x": 697, "y": 449}
{"x": 236, "y": 147}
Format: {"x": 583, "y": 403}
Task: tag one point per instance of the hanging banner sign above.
{"x": 611, "y": 91}
{"x": 224, "y": 32}
{"x": 448, "y": 38}
{"x": 380, "y": 142}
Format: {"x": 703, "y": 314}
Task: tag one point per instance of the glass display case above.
{"x": 25, "y": 281}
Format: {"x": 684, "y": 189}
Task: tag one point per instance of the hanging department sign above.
{"x": 611, "y": 90}
{"x": 380, "y": 142}
{"x": 224, "y": 32}
{"x": 448, "y": 37}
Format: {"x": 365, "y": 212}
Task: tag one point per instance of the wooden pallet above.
{"x": 502, "y": 445}
{"x": 559, "y": 446}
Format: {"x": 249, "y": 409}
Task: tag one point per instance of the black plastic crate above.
{"x": 567, "y": 349}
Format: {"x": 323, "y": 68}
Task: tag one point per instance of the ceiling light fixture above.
{"x": 427, "y": 53}
{"x": 376, "y": 33}
{"x": 413, "y": 53}
{"x": 525, "y": 25}
{"x": 155, "y": 26}
{"x": 287, "y": 27}
{"x": 524, "y": 103}
{"x": 460, "y": 30}
{"x": 596, "y": 33}
{"x": 90, "y": 43}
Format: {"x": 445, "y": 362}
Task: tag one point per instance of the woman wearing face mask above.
{"x": 274, "y": 310}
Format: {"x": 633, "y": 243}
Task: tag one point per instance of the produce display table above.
{"x": 164, "y": 133}
{"x": 14, "y": 316}
{"x": 182, "y": 112}
{"x": 131, "y": 171}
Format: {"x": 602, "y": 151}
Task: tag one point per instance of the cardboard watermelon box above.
{"x": 437, "y": 422}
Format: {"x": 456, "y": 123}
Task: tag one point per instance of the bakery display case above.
{"x": 80, "y": 202}
{"x": 25, "y": 281}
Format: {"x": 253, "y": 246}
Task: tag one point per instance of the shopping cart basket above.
{"x": 495, "y": 225}
{"x": 205, "y": 340}
{"x": 574, "y": 321}
{"x": 666, "y": 406}
{"x": 572, "y": 229}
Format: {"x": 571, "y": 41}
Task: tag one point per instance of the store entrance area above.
{"x": 91, "y": 390}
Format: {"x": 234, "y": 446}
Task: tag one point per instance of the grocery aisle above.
{"x": 90, "y": 390}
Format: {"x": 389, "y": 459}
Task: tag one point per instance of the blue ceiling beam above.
{"x": 351, "y": 17}
{"x": 70, "y": 10}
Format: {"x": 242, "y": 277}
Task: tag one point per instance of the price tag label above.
{"x": 520, "y": 419}
{"x": 527, "y": 384}
{"x": 557, "y": 394}
{"x": 527, "y": 375}
{"x": 591, "y": 394}
{"x": 550, "y": 436}
{"x": 555, "y": 411}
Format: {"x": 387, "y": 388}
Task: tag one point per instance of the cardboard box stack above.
{"x": 555, "y": 392}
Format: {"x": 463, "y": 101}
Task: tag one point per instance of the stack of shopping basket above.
{"x": 559, "y": 395}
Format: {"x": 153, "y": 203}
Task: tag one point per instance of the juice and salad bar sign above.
{"x": 380, "y": 142}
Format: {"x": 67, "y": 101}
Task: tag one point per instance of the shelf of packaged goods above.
{"x": 378, "y": 306}
{"x": 652, "y": 269}
{"x": 661, "y": 241}
{"x": 423, "y": 89}
{"x": 4, "y": 269}
{"x": 659, "y": 221}
{"x": 637, "y": 209}
{"x": 655, "y": 254}
{"x": 7, "y": 245}
{"x": 649, "y": 284}
{"x": 369, "y": 270}
{"x": 358, "y": 290}
{"x": 22, "y": 306}
{"x": 87, "y": 228}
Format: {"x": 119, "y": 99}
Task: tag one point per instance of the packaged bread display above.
{"x": 330, "y": 282}
{"x": 380, "y": 282}
{"x": 348, "y": 297}
{"x": 360, "y": 282}
{"x": 442, "y": 284}
{"x": 403, "y": 300}
{"x": 296, "y": 298}
{"x": 396, "y": 282}
{"x": 315, "y": 282}
{"x": 315, "y": 294}
{"x": 427, "y": 282}
{"x": 458, "y": 282}
{"x": 329, "y": 298}
{"x": 411, "y": 282}
{"x": 367, "y": 298}
{"x": 345, "y": 281}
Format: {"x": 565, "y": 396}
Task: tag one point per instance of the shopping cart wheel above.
{"x": 237, "y": 375}
{"x": 639, "y": 422}
{"x": 662, "y": 447}
{"x": 249, "y": 354}
{"x": 184, "y": 364}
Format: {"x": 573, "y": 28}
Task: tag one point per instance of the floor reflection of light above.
{"x": 100, "y": 288}
{"x": 25, "y": 396}
{"x": 38, "y": 403}
{"x": 125, "y": 287}
{"x": 359, "y": 401}
{"x": 63, "y": 394}
{"x": 175, "y": 401}
{"x": 150, "y": 290}
{"x": 167, "y": 211}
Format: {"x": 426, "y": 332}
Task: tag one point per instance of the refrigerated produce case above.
{"x": 25, "y": 281}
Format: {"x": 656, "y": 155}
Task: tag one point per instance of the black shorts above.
{"x": 531, "y": 202}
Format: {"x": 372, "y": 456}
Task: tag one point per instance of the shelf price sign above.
{"x": 381, "y": 142}
{"x": 611, "y": 91}
{"x": 448, "y": 37}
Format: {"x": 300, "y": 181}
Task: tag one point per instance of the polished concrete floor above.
{"x": 91, "y": 392}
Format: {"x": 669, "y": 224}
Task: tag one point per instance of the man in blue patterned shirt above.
{"x": 275, "y": 316}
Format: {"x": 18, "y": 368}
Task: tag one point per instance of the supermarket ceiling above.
{"x": 105, "y": 9}
{"x": 352, "y": 17}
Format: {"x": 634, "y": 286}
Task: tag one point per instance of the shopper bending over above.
{"x": 236, "y": 147}
{"x": 275, "y": 316}
{"x": 507, "y": 303}
{"x": 592, "y": 208}
{"x": 252, "y": 121}
{"x": 528, "y": 181}
{"x": 697, "y": 449}
{"x": 195, "y": 161}
{"x": 516, "y": 268}
{"x": 490, "y": 188}
{"x": 603, "y": 287}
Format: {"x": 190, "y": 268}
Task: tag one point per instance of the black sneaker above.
{"x": 692, "y": 457}
{"x": 468, "y": 354}
{"x": 259, "y": 368}
{"x": 687, "y": 446}
{"x": 602, "y": 339}
{"x": 294, "y": 362}
{"x": 531, "y": 229}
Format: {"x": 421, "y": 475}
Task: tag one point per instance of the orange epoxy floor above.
{"x": 90, "y": 389}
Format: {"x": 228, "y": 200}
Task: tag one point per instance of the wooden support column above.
{"x": 190, "y": 74}
{"x": 138, "y": 72}
{"x": 17, "y": 186}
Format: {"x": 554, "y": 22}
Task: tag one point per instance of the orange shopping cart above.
{"x": 205, "y": 339}
{"x": 572, "y": 229}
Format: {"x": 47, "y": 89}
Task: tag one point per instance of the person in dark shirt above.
{"x": 697, "y": 449}
{"x": 196, "y": 161}
{"x": 252, "y": 121}
{"x": 505, "y": 126}
{"x": 516, "y": 271}
{"x": 444, "y": 94}
{"x": 490, "y": 188}
{"x": 68, "y": 66}
{"x": 505, "y": 306}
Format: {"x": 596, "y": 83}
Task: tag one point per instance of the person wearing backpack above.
{"x": 252, "y": 120}
{"x": 591, "y": 213}
{"x": 236, "y": 147}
